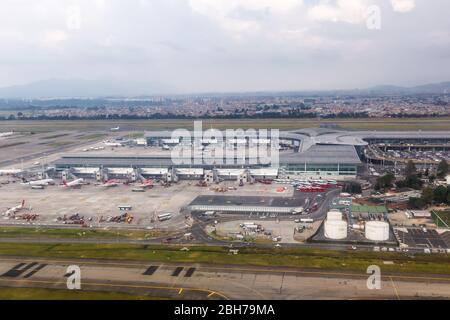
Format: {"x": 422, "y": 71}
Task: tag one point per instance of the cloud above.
{"x": 403, "y": 5}
{"x": 349, "y": 11}
{"x": 225, "y": 45}
{"x": 242, "y": 16}
{"x": 52, "y": 38}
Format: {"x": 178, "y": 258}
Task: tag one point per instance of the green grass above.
{"x": 442, "y": 123}
{"x": 94, "y": 136}
{"x": 69, "y": 233}
{"x": 301, "y": 258}
{"x": 59, "y": 294}
{"x": 136, "y": 135}
{"x": 59, "y": 144}
{"x": 444, "y": 215}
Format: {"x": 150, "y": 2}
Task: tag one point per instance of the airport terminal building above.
{"x": 296, "y": 159}
{"x": 317, "y": 153}
{"x": 335, "y": 162}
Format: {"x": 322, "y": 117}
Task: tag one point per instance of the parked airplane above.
{"x": 112, "y": 144}
{"x": 311, "y": 189}
{"x": 115, "y": 129}
{"x": 13, "y": 210}
{"x": 73, "y": 184}
{"x": 110, "y": 183}
{"x": 43, "y": 182}
{"x": 8, "y": 172}
{"x": 145, "y": 184}
{"x": 6, "y": 134}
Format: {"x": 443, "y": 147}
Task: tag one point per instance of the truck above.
{"x": 298, "y": 210}
{"x": 164, "y": 216}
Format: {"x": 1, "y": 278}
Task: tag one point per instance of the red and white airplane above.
{"x": 13, "y": 210}
{"x": 146, "y": 184}
{"x": 73, "y": 184}
{"x": 110, "y": 183}
{"x": 311, "y": 189}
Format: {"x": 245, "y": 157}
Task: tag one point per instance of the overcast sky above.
{"x": 226, "y": 45}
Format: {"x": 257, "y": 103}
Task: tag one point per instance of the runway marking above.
{"x": 35, "y": 270}
{"x": 177, "y": 271}
{"x": 123, "y": 286}
{"x": 190, "y": 272}
{"x": 19, "y": 269}
{"x": 362, "y": 275}
{"x": 13, "y": 272}
{"x": 395, "y": 288}
{"x": 151, "y": 270}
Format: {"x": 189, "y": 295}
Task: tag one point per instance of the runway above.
{"x": 202, "y": 281}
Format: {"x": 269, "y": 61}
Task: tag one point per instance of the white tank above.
{"x": 377, "y": 230}
{"x": 336, "y": 229}
{"x": 334, "y": 215}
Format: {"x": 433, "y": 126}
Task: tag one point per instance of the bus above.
{"x": 164, "y": 216}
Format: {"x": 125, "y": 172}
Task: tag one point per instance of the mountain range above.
{"x": 78, "y": 88}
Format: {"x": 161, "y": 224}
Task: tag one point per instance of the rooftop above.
{"x": 318, "y": 154}
{"x": 324, "y": 154}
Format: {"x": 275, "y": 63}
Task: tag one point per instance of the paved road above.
{"x": 201, "y": 281}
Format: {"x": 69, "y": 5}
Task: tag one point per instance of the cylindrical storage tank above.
{"x": 377, "y": 230}
{"x": 334, "y": 215}
{"x": 336, "y": 229}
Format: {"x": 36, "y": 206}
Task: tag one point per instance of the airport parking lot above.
{"x": 420, "y": 238}
{"x": 436, "y": 156}
{"x": 283, "y": 230}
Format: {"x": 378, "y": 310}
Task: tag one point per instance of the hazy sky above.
{"x": 226, "y": 45}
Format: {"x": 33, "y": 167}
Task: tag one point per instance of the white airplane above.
{"x": 110, "y": 183}
{"x": 6, "y": 134}
{"x": 43, "y": 182}
{"x": 145, "y": 184}
{"x": 112, "y": 144}
{"x": 8, "y": 172}
{"x": 74, "y": 183}
{"x": 115, "y": 129}
{"x": 13, "y": 210}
